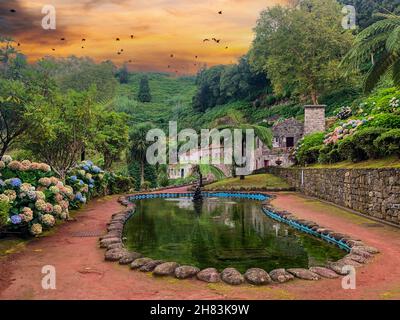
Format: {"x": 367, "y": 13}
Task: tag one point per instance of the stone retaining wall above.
{"x": 373, "y": 192}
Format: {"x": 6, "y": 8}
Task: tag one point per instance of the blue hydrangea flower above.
{"x": 73, "y": 178}
{"x": 81, "y": 183}
{"x": 15, "y": 182}
{"x": 78, "y": 196}
{"x": 86, "y": 168}
{"x": 91, "y": 181}
{"x": 83, "y": 200}
{"x": 96, "y": 169}
{"x": 16, "y": 219}
{"x": 2, "y": 183}
{"x": 91, "y": 186}
{"x": 89, "y": 163}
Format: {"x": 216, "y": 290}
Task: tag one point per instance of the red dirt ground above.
{"x": 83, "y": 274}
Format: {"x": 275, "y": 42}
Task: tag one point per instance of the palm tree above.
{"x": 377, "y": 48}
{"x": 202, "y": 170}
{"x": 236, "y": 121}
{"x": 139, "y": 145}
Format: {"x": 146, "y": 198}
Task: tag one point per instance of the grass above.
{"x": 389, "y": 162}
{"x": 261, "y": 182}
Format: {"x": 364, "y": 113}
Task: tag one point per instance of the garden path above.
{"x": 82, "y": 273}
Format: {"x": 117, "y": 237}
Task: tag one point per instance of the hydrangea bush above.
{"x": 32, "y": 198}
{"x": 35, "y": 198}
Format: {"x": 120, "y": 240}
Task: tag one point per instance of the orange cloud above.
{"x": 160, "y": 28}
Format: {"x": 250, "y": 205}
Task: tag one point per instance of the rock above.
{"x": 338, "y": 268}
{"x": 210, "y": 275}
{"x": 349, "y": 262}
{"x": 368, "y": 249}
{"x": 115, "y": 226}
{"x": 360, "y": 252}
{"x": 324, "y": 272}
{"x": 114, "y": 254}
{"x": 137, "y": 263}
{"x": 280, "y": 275}
{"x": 129, "y": 257}
{"x": 354, "y": 243}
{"x": 149, "y": 266}
{"x": 166, "y": 269}
{"x": 184, "y": 272}
{"x": 118, "y": 245}
{"x": 109, "y": 235}
{"x": 304, "y": 274}
{"x": 106, "y": 242}
{"x": 357, "y": 258}
{"x": 257, "y": 276}
{"x": 232, "y": 276}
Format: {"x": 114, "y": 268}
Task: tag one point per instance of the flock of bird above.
{"x": 120, "y": 51}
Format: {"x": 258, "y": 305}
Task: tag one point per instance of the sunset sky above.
{"x": 160, "y": 28}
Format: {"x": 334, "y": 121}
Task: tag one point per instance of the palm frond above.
{"x": 396, "y": 73}
{"x": 378, "y": 71}
{"x": 379, "y": 27}
{"x": 206, "y": 169}
{"x": 393, "y": 41}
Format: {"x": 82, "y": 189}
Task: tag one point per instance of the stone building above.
{"x": 286, "y": 134}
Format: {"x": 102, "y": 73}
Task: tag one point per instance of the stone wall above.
{"x": 373, "y": 192}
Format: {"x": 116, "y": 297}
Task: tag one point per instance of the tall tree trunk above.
{"x": 314, "y": 97}
{"x": 200, "y": 180}
{"x": 83, "y": 153}
{"x": 141, "y": 172}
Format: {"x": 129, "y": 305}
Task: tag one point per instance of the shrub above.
{"x": 365, "y": 138}
{"x": 385, "y": 120}
{"x": 349, "y": 150}
{"x": 120, "y": 184}
{"x": 146, "y": 186}
{"x": 329, "y": 154}
{"x": 311, "y": 155}
{"x": 4, "y": 209}
{"x": 302, "y": 154}
{"x": 382, "y": 101}
{"x": 389, "y": 142}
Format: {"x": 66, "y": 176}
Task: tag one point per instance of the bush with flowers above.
{"x": 32, "y": 195}
{"x": 32, "y": 198}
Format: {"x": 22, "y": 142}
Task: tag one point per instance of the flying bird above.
{"x": 216, "y": 40}
{"x": 83, "y": 47}
{"x": 226, "y": 47}
{"x": 171, "y": 55}
{"x": 118, "y": 52}
{"x": 219, "y": 12}
{"x": 116, "y": 39}
{"x": 121, "y": 50}
{"x": 131, "y": 36}
{"x": 129, "y": 61}
{"x": 53, "y": 49}
{"x": 13, "y": 10}
{"x": 169, "y": 67}
{"x": 62, "y": 39}
{"x": 206, "y": 40}
{"x": 18, "y": 44}
{"x": 195, "y": 57}
{"x": 83, "y": 39}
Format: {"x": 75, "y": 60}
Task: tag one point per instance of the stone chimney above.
{"x": 314, "y": 119}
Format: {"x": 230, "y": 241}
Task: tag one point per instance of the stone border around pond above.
{"x": 359, "y": 253}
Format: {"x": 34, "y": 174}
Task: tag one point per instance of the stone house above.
{"x": 286, "y": 134}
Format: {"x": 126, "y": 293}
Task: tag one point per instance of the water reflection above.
{"x": 220, "y": 233}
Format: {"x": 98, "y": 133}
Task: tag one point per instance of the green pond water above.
{"x": 221, "y": 233}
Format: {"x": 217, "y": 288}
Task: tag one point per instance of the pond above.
{"x": 222, "y": 232}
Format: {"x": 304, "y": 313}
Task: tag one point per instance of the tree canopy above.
{"x": 300, "y": 47}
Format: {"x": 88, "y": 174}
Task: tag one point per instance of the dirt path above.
{"x": 83, "y": 274}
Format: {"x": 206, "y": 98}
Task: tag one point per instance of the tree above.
{"x": 80, "y": 74}
{"x": 60, "y": 127}
{"x": 144, "y": 90}
{"x": 301, "y": 47}
{"x": 367, "y": 9}
{"x": 123, "y": 74}
{"x": 7, "y": 51}
{"x": 380, "y": 43}
{"x": 138, "y": 146}
{"x": 15, "y": 98}
{"x": 111, "y": 136}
